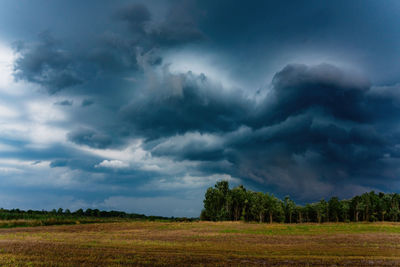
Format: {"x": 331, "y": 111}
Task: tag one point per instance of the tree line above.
{"x": 224, "y": 204}
{"x": 17, "y": 214}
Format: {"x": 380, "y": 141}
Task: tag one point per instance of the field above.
{"x": 201, "y": 244}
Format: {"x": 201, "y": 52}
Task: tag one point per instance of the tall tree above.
{"x": 334, "y": 208}
{"x": 237, "y": 197}
{"x": 394, "y": 207}
{"x": 272, "y": 206}
{"x": 366, "y": 200}
{"x": 321, "y": 209}
{"x": 215, "y": 202}
{"x": 222, "y": 203}
{"x": 345, "y": 209}
{"x": 383, "y": 205}
{"x": 357, "y": 206}
{"x": 289, "y": 207}
{"x": 258, "y": 206}
{"x": 309, "y": 213}
{"x": 300, "y": 210}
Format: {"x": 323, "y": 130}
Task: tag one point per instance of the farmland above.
{"x": 202, "y": 244}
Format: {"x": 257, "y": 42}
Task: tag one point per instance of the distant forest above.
{"x": 224, "y": 204}
{"x": 17, "y": 214}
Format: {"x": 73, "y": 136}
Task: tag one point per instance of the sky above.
{"x": 141, "y": 106}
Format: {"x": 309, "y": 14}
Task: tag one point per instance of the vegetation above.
{"x": 146, "y": 243}
{"x": 224, "y": 204}
{"x": 21, "y": 218}
{"x": 123, "y": 239}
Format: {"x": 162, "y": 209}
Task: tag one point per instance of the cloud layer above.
{"x": 107, "y": 116}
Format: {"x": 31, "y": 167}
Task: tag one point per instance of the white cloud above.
{"x": 7, "y": 112}
{"x": 189, "y": 182}
{"x": 137, "y": 158}
{"x": 193, "y": 140}
{"x": 44, "y": 111}
{"x": 113, "y": 164}
{"x": 5, "y": 147}
{"x": 42, "y": 135}
{"x": 184, "y": 61}
{"x": 24, "y": 163}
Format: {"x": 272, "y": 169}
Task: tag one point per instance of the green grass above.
{"x": 315, "y": 229}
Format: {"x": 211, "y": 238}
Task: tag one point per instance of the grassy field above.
{"x": 202, "y": 244}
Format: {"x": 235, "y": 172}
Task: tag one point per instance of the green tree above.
{"x": 321, "y": 209}
{"x": 213, "y": 202}
{"x": 366, "y": 200}
{"x": 344, "y": 210}
{"x": 289, "y": 207}
{"x": 334, "y": 208}
{"x": 309, "y": 213}
{"x": 394, "y": 207}
{"x": 216, "y": 204}
{"x": 383, "y": 205}
{"x": 357, "y": 206}
{"x": 79, "y": 212}
{"x": 237, "y": 197}
{"x": 272, "y": 206}
{"x": 300, "y": 211}
{"x": 258, "y": 206}
{"x": 221, "y": 203}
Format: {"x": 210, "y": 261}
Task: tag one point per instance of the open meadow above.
{"x": 201, "y": 244}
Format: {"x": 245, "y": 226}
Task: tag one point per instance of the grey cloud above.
{"x": 317, "y": 128}
{"x": 185, "y": 102}
{"x": 64, "y": 103}
{"x": 136, "y": 15}
{"x": 87, "y": 102}
{"x": 59, "y": 163}
{"x": 314, "y": 131}
{"x": 89, "y": 138}
{"x": 179, "y": 27}
{"x": 113, "y": 54}
{"x": 47, "y": 64}
{"x": 297, "y": 88}
{"x": 192, "y": 146}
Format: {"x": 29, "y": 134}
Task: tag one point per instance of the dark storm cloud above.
{"x": 179, "y": 27}
{"x": 364, "y": 33}
{"x": 89, "y": 138}
{"x": 297, "y": 88}
{"x": 136, "y": 15}
{"x": 46, "y": 64}
{"x": 112, "y": 53}
{"x": 321, "y": 126}
{"x": 185, "y": 102}
{"x": 312, "y": 130}
{"x": 318, "y": 127}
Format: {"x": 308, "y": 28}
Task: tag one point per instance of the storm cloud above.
{"x": 317, "y": 125}
{"x": 157, "y": 100}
